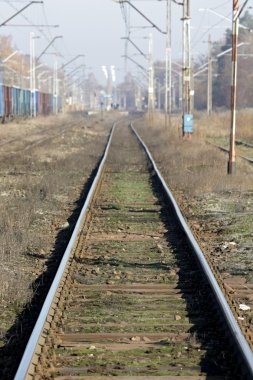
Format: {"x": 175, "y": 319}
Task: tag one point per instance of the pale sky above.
{"x": 94, "y": 28}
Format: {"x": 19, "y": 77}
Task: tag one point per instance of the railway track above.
{"x": 41, "y": 137}
{"x": 242, "y": 155}
{"x": 244, "y": 143}
{"x": 134, "y": 296}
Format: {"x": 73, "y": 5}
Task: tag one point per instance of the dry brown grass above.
{"x": 194, "y": 166}
{"x": 218, "y": 125}
{"x": 38, "y": 192}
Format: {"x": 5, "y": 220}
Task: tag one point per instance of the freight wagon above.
{"x": 15, "y": 101}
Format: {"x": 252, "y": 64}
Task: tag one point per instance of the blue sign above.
{"x": 188, "y": 123}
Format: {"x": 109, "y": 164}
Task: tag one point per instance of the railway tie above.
{"x": 134, "y": 303}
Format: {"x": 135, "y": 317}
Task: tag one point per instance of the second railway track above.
{"x": 244, "y": 150}
{"x": 130, "y": 298}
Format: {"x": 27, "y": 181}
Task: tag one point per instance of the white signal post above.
{"x": 210, "y": 78}
{"x": 231, "y": 161}
{"x": 168, "y": 63}
{"x": 32, "y": 74}
{"x": 151, "y": 101}
{"x": 235, "y": 27}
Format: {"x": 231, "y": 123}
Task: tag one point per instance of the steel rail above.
{"x": 26, "y": 361}
{"x": 234, "y": 328}
{"x": 250, "y": 160}
{"x": 243, "y": 143}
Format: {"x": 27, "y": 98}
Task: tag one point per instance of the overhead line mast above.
{"x": 186, "y": 58}
{"x": 186, "y": 71}
{"x": 210, "y": 78}
{"x": 231, "y": 160}
{"x": 186, "y": 101}
{"x": 235, "y": 30}
{"x": 168, "y": 69}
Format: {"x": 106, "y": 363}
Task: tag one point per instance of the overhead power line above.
{"x": 31, "y": 23}
{"x": 20, "y": 11}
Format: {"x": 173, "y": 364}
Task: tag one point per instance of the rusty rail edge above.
{"x": 30, "y": 351}
{"x": 242, "y": 344}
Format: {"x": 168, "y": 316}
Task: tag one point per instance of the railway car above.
{"x": 37, "y": 101}
{"x": 24, "y": 104}
{"x": 52, "y": 103}
{"x": 27, "y": 102}
{"x": 7, "y": 93}
{"x": 40, "y": 103}
{"x": 46, "y": 104}
{"x": 59, "y": 102}
{"x": 15, "y": 101}
{"x": 1, "y": 101}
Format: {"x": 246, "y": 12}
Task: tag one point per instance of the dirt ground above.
{"x": 218, "y": 207}
{"x": 45, "y": 168}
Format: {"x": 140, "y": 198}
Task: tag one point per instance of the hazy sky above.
{"x": 94, "y": 28}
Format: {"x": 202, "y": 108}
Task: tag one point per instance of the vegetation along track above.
{"x": 130, "y": 299}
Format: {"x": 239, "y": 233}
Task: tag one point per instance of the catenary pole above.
{"x": 55, "y": 85}
{"x": 31, "y": 73}
{"x": 150, "y": 81}
{"x": 34, "y": 78}
{"x": 127, "y": 24}
{"x": 184, "y": 59}
{"x": 188, "y": 57}
{"x": 170, "y": 57}
{"x": 235, "y": 26}
{"x": 210, "y": 78}
{"x": 186, "y": 73}
{"x": 168, "y": 63}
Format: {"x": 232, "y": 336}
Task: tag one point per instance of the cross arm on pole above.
{"x": 73, "y": 71}
{"x": 136, "y": 47}
{"x": 142, "y": 14}
{"x": 227, "y": 18}
{"x": 177, "y": 2}
{"x": 242, "y": 8}
{"x": 50, "y": 43}
{"x": 21, "y": 10}
{"x": 29, "y": 26}
{"x": 72, "y": 60}
{"x": 136, "y": 63}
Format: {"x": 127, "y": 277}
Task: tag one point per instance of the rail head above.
{"x": 26, "y": 361}
{"x": 233, "y": 326}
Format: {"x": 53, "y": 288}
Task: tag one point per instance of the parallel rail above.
{"x": 34, "y": 347}
{"x": 234, "y": 328}
{"x": 36, "y": 341}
